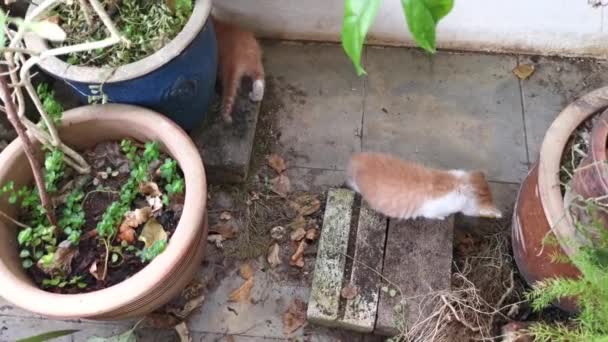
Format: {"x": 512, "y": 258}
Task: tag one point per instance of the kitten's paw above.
{"x": 257, "y": 93}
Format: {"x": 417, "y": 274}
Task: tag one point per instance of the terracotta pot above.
{"x": 159, "y": 281}
{"x": 540, "y": 203}
{"x": 530, "y": 227}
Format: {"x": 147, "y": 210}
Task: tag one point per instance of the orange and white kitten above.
{"x": 401, "y": 189}
{"x": 239, "y": 55}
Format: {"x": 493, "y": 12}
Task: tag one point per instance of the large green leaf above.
{"x": 422, "y": 18}
{"x": 358, "y": 17}
{"x": 48, "y": 336}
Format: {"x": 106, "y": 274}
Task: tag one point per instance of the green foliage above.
{"x": 175, "y": 182}
{"x": 149, "y": 253}
{"x": 590, "y": 291}
{"x": 72, "y": 217}
{"x": 51, "y": 106}
{"x": 62, "y": 282}
{"x": 422, "y": 19}
{"x": 148, "y": 26}
{"x": 53, "y": 169}
{"x": 47, "y": 336}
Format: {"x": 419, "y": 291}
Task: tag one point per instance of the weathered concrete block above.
{"x": 418, "y": 259}
{"x": 360, "y": 312}
{"x": 324, "y": 302}
{"x": 226, "y": 149}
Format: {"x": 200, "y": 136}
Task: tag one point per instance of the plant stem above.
{"x": 12, "y": 220}
{"x": 11, "y": 113}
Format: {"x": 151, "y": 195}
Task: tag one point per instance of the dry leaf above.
{"x": 298, "y": 234}
{"x": 277, "y": 233}
{"x": 155, "y": 202}
{"x": 523, "y": 71}
{"x": 277, "y": 163}
{"x": 281, "y": 185}
{"x": 225, "y": 216}
{"x": 246, "y": 271}
{"x": 126, "y": 234}
{"x": 94, "y": 271}
{"x": 62, "y": 260}
{"x": 295, "y": 316}
{"x": 297, "y": 259}
{"x": 242, "y": 294}
{"x": 217, "y": 239}
{"x": 273, "y": 255}
{"x": 299, "y": 222}
{"x": 190, "y": 306}
{"x": 306, "y": 204}
{"x": 152, "y": 232}
{"x": 226, "y": 230}
{"x": 183, "y": 332}
{"x": 149, "y": 189}
{"x": 134, "y": 218}
{"x": 349, "y": 291}
{"x": 312, "y": 234}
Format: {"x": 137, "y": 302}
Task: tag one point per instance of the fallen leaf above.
{"x": 193, "y": 290}
{"x": 281, "y": 185}
{"x": 294, "y": 317}
{"x": 246, "y": 271}
{"x": 273, "y": 255}
{"x": 297, "y": 259}
{"x": 126, "y": 234}
{"x": 277, "y": 233}
{"x": 155, "y": 202}
{"x": 523, "y": 71}
{"x": 226, "y": 230}
{"x": 349, "y": 291}
{"x": 61, "y": 262}
{"x": 312, "y": 234}
{"x": 152, "y": 232}
{"x": 299, "y": 222}
{"x": 225, "y": 216}
{"x": 277, "y": 163}
{"x": 306, "y": 204}
{"x": 242, "y": 294}
{"x": 298, "y": 234}
{"x": 138, "y": 216}
{"x": 94, "y": 271}
{"x": 183, "y": 332}
{"x": 189, "y": 307}
{"x": 149, "y": 189}
{"x": 217, "y": 239}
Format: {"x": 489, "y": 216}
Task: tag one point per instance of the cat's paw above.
{"x": 257, "y": 93}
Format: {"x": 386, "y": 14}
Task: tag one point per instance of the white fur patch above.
{"x": 443, "y": 206}
{"x": 257, "y": 93}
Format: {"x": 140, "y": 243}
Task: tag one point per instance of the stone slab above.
{"x": 418, "y": 259}
{"x": 226, "y": 149}
{"x": 360, "y": 312}
{"x": 554, "y": 84}
{"x": 319, "y": 103}
{"x": 450, "y": 110}
{"x": 324, "y": 302}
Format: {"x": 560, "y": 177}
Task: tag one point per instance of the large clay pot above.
{"x": 540, "y": 203}
{"x": 159, "y": 281}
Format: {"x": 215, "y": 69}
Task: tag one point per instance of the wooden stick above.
{"x": 11, "y": 113}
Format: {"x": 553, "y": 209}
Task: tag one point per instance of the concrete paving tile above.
{"x": 451, "y": 110}
{"x": 318, "y": 99}
{"x": 315, "y": 180}
{"x": 555, "y": 83}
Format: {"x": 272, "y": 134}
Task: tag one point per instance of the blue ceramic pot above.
{"x": 177, "y": 81}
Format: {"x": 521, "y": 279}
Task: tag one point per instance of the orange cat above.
{"x": 401, "y": 189}
{"x": 239, "y": 55}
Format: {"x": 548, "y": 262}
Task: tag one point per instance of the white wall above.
{"x": 553, "y": 27}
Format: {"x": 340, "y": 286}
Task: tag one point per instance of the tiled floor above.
{"x": 454, "y": 110}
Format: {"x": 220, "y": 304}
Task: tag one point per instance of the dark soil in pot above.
{"x": 81, "y": 260}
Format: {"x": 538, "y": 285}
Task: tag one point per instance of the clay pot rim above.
{"x": 599, "y": 137}
{"x": 178, "y": 144}
{"x": 551, "y": 151}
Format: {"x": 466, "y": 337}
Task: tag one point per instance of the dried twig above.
{"x": 12, "y": 220}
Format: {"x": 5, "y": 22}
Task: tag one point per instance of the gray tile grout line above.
{"x": 364, "y": 97}
{"x": 523, "y": 114}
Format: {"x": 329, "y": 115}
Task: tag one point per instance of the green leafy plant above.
{"x": 48, "y": 336}
{"x": 149, "y": 253}
{"x": 422, "y": 17}
{"x": 590, "y": 291}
